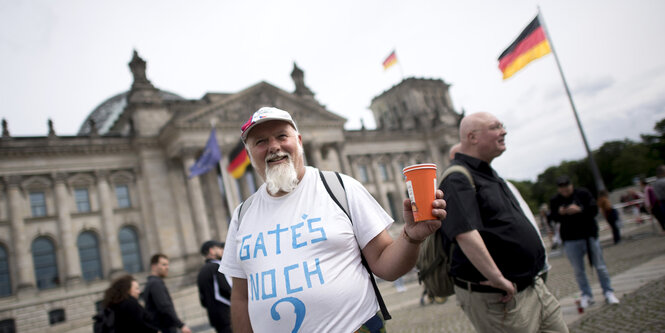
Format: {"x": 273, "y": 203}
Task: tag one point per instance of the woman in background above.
{"x": 129, "y": 316}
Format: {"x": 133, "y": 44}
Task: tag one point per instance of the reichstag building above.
{"x": 77, "y": 211}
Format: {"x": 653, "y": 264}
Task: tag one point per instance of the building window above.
{"x": 362, "y": 173}
{"x": 91, "y": 265}
{"x": 5, "y": 281}
{"x": 38, "y": 204}
{"x": 7, "y": 326}
{"x": 122, "y": 194}
{"x": 130, "y": 250}
{"x": 46, "y": 268}
{"x": 56, "y": 316}
{"x": 82, "y": 200}
{"x": 384, "y": 172}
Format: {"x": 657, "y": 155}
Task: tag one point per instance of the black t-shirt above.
{"x": 577, "y": 226}
{"x": 493, "y": 210}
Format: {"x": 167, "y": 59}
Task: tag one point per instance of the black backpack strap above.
{"x": 332, "y": 181}
{"x": 461, "y": 169}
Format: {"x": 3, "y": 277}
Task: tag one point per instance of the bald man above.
{"x": 497, "y": 263}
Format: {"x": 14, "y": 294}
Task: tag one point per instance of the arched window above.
{"x": 91, "y": 264}
{"x": 46, "y": 267}
{"x": 130, "y": 250}
{"x": 5, "y": 282}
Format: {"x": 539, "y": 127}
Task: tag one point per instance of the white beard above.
{"x": 282, "y": 177}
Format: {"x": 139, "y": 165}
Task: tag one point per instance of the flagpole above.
{"x": 225, "y": 178}
{"x": 600, "y": 185}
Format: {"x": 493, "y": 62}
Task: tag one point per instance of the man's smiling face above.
{"x": 271, "y": 143}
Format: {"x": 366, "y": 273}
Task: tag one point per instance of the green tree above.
{"x": 605, "y": 156}
{"x": 656, "y": 143}
{"x": 619, "y": 163}
{"x": 635, "y": 160}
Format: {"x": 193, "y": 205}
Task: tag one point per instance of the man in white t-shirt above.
{"x": 295, "y": 256}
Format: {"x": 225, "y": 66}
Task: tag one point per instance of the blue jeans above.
{"x": 575, "y": 251}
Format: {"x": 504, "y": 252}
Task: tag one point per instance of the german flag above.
{"x": 530, "y": 45}
{"x": 390, "y": 60}
{"x": 238, "y": 161}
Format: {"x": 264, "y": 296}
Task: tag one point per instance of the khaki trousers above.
{"x": 534, "y": 309}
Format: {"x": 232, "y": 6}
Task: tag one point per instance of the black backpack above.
{"x": 104, "y": 321}
{"x": 435, "y": 256}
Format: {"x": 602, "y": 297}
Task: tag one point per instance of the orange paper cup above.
{"x": 421, "y": 185}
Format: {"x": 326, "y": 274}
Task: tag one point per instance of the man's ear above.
{"x": 472, "y": 138}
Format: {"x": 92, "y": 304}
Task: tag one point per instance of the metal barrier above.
{"x": 637, "y": 218}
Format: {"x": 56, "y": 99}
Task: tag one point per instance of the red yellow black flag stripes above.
{"x": 238, "y": 161}
{"x": 530, "y": 45}
{"x": 390, "y": 60}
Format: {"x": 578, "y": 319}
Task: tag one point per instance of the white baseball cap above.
{"x": 265, "y": 114}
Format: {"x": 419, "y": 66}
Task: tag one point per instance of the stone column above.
{"x": 380, "y": 189}
{"x": 434, "y": 152}
{"x": 243, "y": 184}
{"x": 344, "y": 160}
{"x": 26, "y": 274}
{"x": 72, "y": 261}
{"x": 198, "y": 205}
{"x": 109, "y": 241}
{"x": 399, "y": 179}
{"x": 316, "y": 158}
{"x": 214, "y": 200}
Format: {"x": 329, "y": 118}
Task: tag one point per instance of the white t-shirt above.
{"x": 301, "y": 259}
{"x": 529, "y": 215}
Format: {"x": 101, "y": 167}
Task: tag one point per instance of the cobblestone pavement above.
{"x": 640, "y": 311}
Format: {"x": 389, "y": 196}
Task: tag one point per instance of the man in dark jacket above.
{"x": 158, "y": 301}
{"x": 576, "y": 210}
{"x": 214, "y": 288}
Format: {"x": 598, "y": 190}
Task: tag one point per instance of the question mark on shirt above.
{"x": 298, "y": 308}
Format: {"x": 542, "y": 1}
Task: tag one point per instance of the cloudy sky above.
{"x": 60, "y": 59}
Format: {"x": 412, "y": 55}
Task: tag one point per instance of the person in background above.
{"x": 214, "y": 287}
{"x": 654, "y": 205}
{"x": 659, "y": 184}
{"x": 576, "y": 210}
{"x": 129, "y": 316}
{"x": 549, "y": 226}
{"x": 610, "y": 213}
{"x": 158, "y": 301}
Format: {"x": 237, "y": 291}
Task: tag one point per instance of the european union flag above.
{"x": 209, "y": 159}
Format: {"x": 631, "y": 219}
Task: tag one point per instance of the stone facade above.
{"x": 109, "y": 197}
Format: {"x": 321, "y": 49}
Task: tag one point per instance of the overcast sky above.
{"x": 61, "y": 59}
